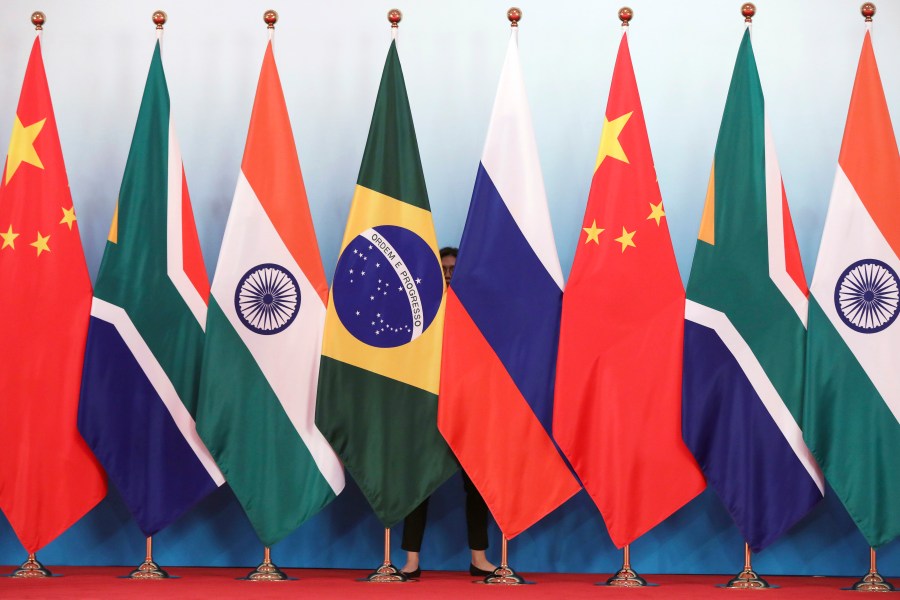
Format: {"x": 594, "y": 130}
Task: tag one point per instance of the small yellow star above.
{"x": 609, "y": 140}
{"x": 9, "y": 238}
{"x": 21, "y": 147}
{"x": 593, "y": 233}
{"x": 68, "y": 217}
{"x": 656, "y": 212}
{"x": 626, "y": 239}
{"x": 41, "y": 243}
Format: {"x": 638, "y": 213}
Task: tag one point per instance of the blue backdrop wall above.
{"x": 330, "y": 57}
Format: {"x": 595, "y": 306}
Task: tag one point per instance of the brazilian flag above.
{"x": 381, "y": 354}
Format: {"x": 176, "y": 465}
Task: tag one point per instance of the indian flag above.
{"x": 264, "y": 334}
{"x": 851, "y": 416}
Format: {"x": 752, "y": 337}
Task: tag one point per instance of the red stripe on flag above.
{"x": 792, "y": 263}
{"x": 192, "y": 257}
{"x": 495, "y": 434}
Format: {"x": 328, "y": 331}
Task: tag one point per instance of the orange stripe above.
{"x": 792, "y": 262}
{"x": 273, "y": 170}
{"x": 869, "y": 154}
{"x": 708, "y": 220}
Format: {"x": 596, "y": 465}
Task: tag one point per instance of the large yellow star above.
{"x": 626, "y": 239}
{"x": 68, "y": 217}
{"x": 656, "y": 212}
{"x": 41, "y": 243}
{"x": 21, "y": 147}
{"x": 609, "y": 140}
{"x": 593, "y": 233}
{"x": 9, "y": 238}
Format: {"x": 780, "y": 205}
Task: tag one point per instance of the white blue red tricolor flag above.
{"x": 503, "y": 309}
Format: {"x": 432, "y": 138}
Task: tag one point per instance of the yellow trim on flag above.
{"x": 708, "y": 220}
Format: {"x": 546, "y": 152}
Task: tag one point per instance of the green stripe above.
{"x": 386, "y": 434}
{"x": 133, "y": 272}
{"x": 851, "y": 432}
{"x": 732, "y": 276}
{"x": 252, "y": 438}
{"x": 391, "y": 163}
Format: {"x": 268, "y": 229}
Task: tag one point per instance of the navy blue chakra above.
{"x": 867, "y": 296}
{"x": 387, "y": 286}
{"x": 267, "y": 299}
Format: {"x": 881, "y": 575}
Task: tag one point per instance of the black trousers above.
{"x": 476, "y": 521}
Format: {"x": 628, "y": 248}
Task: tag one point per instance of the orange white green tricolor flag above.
{"x": 851, "y": 412}
{"x": 264, "y": 334}
{"x": 48, "y": 476}
{"x": 617, "y": 415}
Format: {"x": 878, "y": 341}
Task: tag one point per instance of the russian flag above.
{"x": 500, "y": 339}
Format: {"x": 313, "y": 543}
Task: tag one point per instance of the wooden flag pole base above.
{"x": 266, "y": 571}
{"x": 626, "y": 576}
{"x": 387, "y": 572}
{"x": 32, "y": 569}
{"x": 872, "y": 581}
{"x": 747, "y": 579}
{"x": 148, "y": 569}
{"x": 504, "y": 575}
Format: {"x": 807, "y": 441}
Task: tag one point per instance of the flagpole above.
{"x": 626, "y": 576}
{"x": 148, "y": 569}
{"x": 266, "y": 571}
{"x": 872, "y": 581}
{"x": 747, "y": 579}
{"x": 387, "y": 572}
{"x": 31, "y": 569}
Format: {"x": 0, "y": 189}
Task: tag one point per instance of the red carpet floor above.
{"x": 218, "y": 583}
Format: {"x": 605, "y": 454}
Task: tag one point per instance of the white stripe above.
{"x": 511, "y": 159}
{"x": 850, "y": 235}
{"x": 174, "y": 235}
{"x": 118, "y": 318}
{"x": 762, "y": 385}
{"x": 775, "y": 222}
{"x": 289, "y": 360}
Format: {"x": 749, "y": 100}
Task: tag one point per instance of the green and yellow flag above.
{"x": 381, "y": 355}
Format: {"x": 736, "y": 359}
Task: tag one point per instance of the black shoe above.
{"x": 413, "y": 574}
{"x": 476, "y": 572}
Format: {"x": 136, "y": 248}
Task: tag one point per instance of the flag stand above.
{"x": 504, "y": 575}
{"x": 31, "y": 569}
{"x": 626, "y": 577}
{"x": 387, "y": 573}
{"x": 266, "y": 571}
{"x": 747, "y": 579}
{"x": 148, "y": 569}
{"x": 872, "y": 581}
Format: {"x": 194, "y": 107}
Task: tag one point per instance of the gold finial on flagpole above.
{"x": 867, "y": 10}
{"x": 625, "y": 15}
{"x": 270, "y": 17}
{"x": 159, "y": 18}
{"x": 38, "y": 19}
{"x": 394, "y": 17}
{"x": 748, "y": 9}
{"x": 514, "y": 15}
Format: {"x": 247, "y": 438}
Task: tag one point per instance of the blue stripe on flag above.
{"x": 510, "y": 296}
{"x": 141, "y": 448}
{"x": 737, "y": 443}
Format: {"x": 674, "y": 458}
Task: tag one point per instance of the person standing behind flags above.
{"x": 476, "y": 508}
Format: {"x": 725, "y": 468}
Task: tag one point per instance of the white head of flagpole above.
{"x": 868, "y": 11}
{"x": 270, "y": 17}
{"x": 394, "y": 17}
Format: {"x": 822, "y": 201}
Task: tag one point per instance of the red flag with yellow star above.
{"x": 48, "y": 476}
{"x": 617, "y": 415}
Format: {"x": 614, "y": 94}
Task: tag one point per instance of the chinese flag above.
{"x": 617, "y": 415}
{"x": 48, "y": 476}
